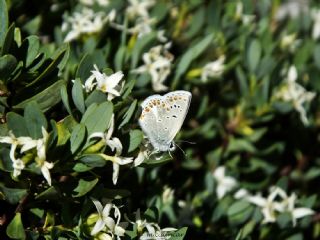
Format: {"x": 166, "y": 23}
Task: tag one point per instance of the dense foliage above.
{"x": 74, "y": 163}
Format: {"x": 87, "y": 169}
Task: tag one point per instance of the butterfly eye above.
{"x": 172, "y": 147}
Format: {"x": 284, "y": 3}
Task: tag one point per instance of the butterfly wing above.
{"x": 163, "y": 116}
{"x": 178, "y": 103}
{"x": 153, "y": 109}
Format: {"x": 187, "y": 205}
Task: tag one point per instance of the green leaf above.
{"x": 120, "y": 57}
{"x": 237, "y": 145}
{"x": 316, "y": 55}
{"x": 152, "y": 214}
{"x": 193, "y": 53}
{"x": 96, "y": 97}
{"x": 13, "y": 195}
{"x": 65, "y": 48}
{"x": 154, "y": 161}
{"x": 84, "y": 187}
{"x": 8, "y": 63}
{"x": 128, "y": 88}
{"x": 242, "y": 81}
{"x": 77, "y": 95}
{"x": 15, "y": 229}
{"x": 97, "y": 117}
{"x": 35, "y": 120}
{"x": 50, "y": 193}
{"x": 4, "y": 20}
{"x": 77, "y": 137}
{"x": 115, "y": 193}
{"x": 61, "y": 131}
{"x": 178, "y": 235}
{"x": 65, "y": 98}
{"x": 128, "y": 114}
{"x": 31, "y": 45}
{"x": 238, "y": 207}
{"x": 17, "y": 124}
{"x": 297, "y": 236}
{"x": 85, "y": 67}
{"x": 8, "y": 40}
{"x": 140, "y": 47}
{"x": 5, "y": 160}
{"x": 93, "y": 160}
{"x": 196, "y": 23}
{"x": 46, "y": 99}
{"x": 81, "y": 167}
{"x": 50, "y": 68}
{"x": 254, "y": 54}
{"x": 136, "y": 137}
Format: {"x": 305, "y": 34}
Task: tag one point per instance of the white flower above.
{"x": 316, "y": 24}
{"x": 241, "y": 193}
{"x": 105, "y": 220}
{"x": 144, "y": 153}
{"x": 224, "y": 183}
{"x": 104, "y": 83}
{"x": 92, "y": 2}
{"x": 279, "y": 202}
{"x": 157, "y": 62}
{"x": 85, "y": 22}
{"x": 245, "y": 18}
{"x": 115, "y": 145}
{"x": 292, "y": 9}
{"x": 213, "y": 69}
{"x": 151, "y": 230}
{"x": 268, "y": 205}
{"x": 139, "y": 8}
{"x": 167, "y": 195}
{"x": 18, "y": 166}
{"x": 290, "y": 42}
{"x": 41, "y": 156}
{"x": 26, "y": 144}
{"x": 142, "y": 27}
{"x": 296, "y": 213}
{"x": 294, "y": 93}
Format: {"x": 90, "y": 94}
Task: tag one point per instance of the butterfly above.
{"x": 162, "y": 118}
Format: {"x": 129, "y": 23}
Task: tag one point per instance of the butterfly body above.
{"x": 162, "y": 118}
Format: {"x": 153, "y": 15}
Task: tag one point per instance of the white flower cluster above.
{"x": 93, "y": 2}
{"x": 213, "y": 69}
{"x": 104, "y": 83}
{"x": 85, "y": 22}
{"x": 275, "y": 203}
{"x": 224, "y": 184}
{"x": 157, "y": 63}
{"x": 295, "y": 94}
{"x": 115, "y": 145}
{"x": 292, "y": 9}
{"x": 246, "y": 19}
{"x": 315, "y": 13}
{"x": 151, "y": 231}
{"x": 138, "y": 13}
{"x": 26, "y": 144}
{"x": 108, "y": 224}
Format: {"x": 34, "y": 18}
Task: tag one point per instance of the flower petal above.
{"x": 46, "y": 173}
{"x": 98, "y": 227}
{"x": 98, "y": 206}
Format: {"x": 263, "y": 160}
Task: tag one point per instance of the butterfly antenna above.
{"x": 180, "y": 149}
{"x": 186, "y": 142}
